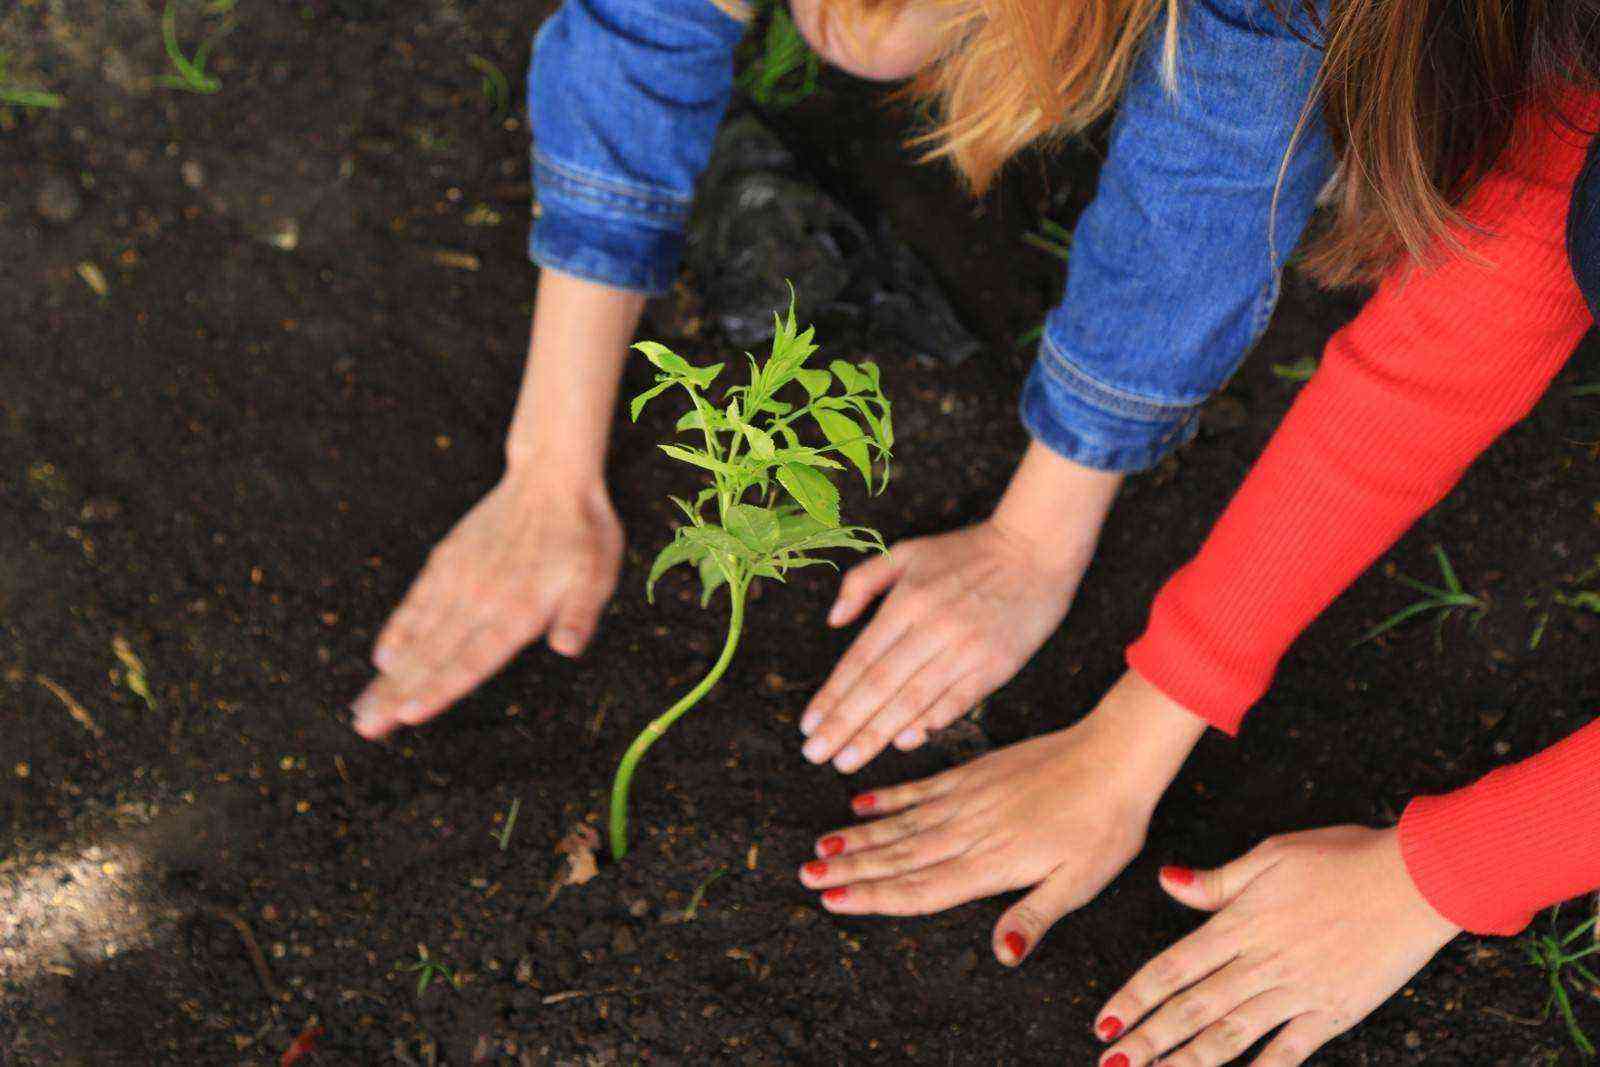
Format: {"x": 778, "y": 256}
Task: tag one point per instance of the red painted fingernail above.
{"x": 865, "y": 802}
{"x": 1015, "y": 944}
{"x": 1178, "y": 875}
{"x": 1109, "y": 1028}
{"x": 831, "y": 845}
{"x": 1117, "y": 1060}
{"x": 836, "y": 894}
{"x": 815, "y": 869}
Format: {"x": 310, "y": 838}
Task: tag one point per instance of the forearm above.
{"x": 576, "y": 352}
{"x": 1440, "y": 362}
{"x": 1490, "y": 856}
{"x": 1057, "y": 505}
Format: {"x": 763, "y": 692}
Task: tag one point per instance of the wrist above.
{"x": 554, "y": 467}
{"x": 1056, "y": 506}
{"x": 1152, "y": 733}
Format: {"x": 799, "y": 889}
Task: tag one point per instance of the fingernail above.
{"x": 1117, "y": 1060}
{"x": 836, "y": 894}
{"x": 815, "y": 869}
{"x": 1178, "y": 875}
{"x": 809, "y": 721}
{"x": 409, "y": 712}
{"x": 383, "y": 659}
{"x": 864, "y": 803}
{"x": 1015, "y": 944}
{"x": 1109, "y": 1028}
{"x": 848, "y": 759}
{"x": 566, "y": 643}
{"x": 831, "y": 845}
{"x": 836, "y": 615}
{"x": 908, "y": 738}
{"x": 815, "y": 750}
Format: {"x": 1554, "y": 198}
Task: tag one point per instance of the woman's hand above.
{"x": 1063, "y": 813}
{"x": 965, "y": 611}
{"x": 536, "y": 557}
{"x": 1312, "y": 931}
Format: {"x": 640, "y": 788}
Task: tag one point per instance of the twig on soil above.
{"x": 700, "y": 894}
{"x": 79, "y": 713}
{"x": 252, "y": 948}
{"x": 504, "y": 835}
{"x": 574, "y": 994}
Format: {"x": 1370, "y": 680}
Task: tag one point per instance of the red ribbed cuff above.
{"x": 1490, "y": 856}
{"x": 1200, "y": 683}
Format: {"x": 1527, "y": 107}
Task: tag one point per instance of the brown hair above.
{"x": 1420, "y": 95}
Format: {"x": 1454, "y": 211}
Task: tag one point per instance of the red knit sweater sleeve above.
{"x": 1438, "y": 364}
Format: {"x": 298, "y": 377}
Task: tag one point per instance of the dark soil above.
{"x": 237, "y": 458}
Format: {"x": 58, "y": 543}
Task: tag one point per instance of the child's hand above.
{"x": 1312, "y": 931}
{"x": 532, "y": 558}
{"x": 965, "y": 611}
{"x": 1063, "y": 813}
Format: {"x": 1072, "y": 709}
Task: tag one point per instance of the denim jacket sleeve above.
{"x": 624, "y": 97}
{"x": 1175, "y": 264}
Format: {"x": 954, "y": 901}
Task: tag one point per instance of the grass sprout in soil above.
{"x": 775, "y": 501}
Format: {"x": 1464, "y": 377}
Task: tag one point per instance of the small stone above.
{"x": 1225, "y": 414}
{"x": 194, "y": 175}
{"x": 524, "y": 970}
{"x": 639, "y": 908}
{"x": 57, "y": 200}
{"x": 1413, "y": 1039}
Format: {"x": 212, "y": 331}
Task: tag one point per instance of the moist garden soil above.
{"x": 298, "y": 377}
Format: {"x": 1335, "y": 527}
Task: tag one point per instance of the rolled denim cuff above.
{"x": 620, "y": 235}
{"x": 606, "y": 251}
{"x": 1095, "y": 425}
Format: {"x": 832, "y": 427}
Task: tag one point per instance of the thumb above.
{"x": 1026, "y": 922}
{"x": 864, "y": 582}
{"x": 1215, "y": 889}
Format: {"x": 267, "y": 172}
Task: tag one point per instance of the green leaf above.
{"x": 812, "y": 491}
{"x": 815, "y": 382}
{"x": 697, "y": 419}
{"x": 761, "y": 445}
{"x": 638, "y": 403}
{"x": 843, "y": 433}
{"x": 711, "y": 576}
{"x": 756, "y": 526}
{"x": 806, "y": 456}
{"x": 853, "y": 380}
{"x": 695, "y": 456}
{"x": 674, "y": 364}
{"x": 714, "y": 538}
{"x": 678, "y": 551}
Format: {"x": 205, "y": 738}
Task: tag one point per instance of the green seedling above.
{"x": 1301, "y": 370}
{"x": 775, "y": 502}
{"x": 1442, "y": 602}
{"x": 1558, "y": 956}
{"x": 1051, "y": 237}
{"x": 1592, "y": 389}
{"x": 496, "y": 89}
{"x": 17, "y": 96}
{"x": 503, "y": 835}
{"x": 786, "y": 71}
{"x": 426, "y": 968}
{"x": 699, "y": 896}
{"x": 191, "y": 73}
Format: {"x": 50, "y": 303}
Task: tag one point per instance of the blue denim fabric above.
{"x": 1583, "y": 229}
{"x": 1173, "y": 275}
{"x": 624, "y": 97}
{"x": 1175, "y": 265}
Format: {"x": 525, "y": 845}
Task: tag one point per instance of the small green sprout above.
{"x": 786, "y": 71}
{"x": 752, "y": 449}
{"x": 427, "y": 969}
{"x": 496, "y": 89}
{"x": 1591, "y": 389}
{"x": 503, "y": 835}
{"x": 699, "y": 896}
{"x": 17, "y": 96}
{"x": 1557, "y": 955}
{"x": 1051, "y": 237}
{"x": 1443, "y": 602}
{"x": 1301, "y": 370}
{"x": 191, "y": 74}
